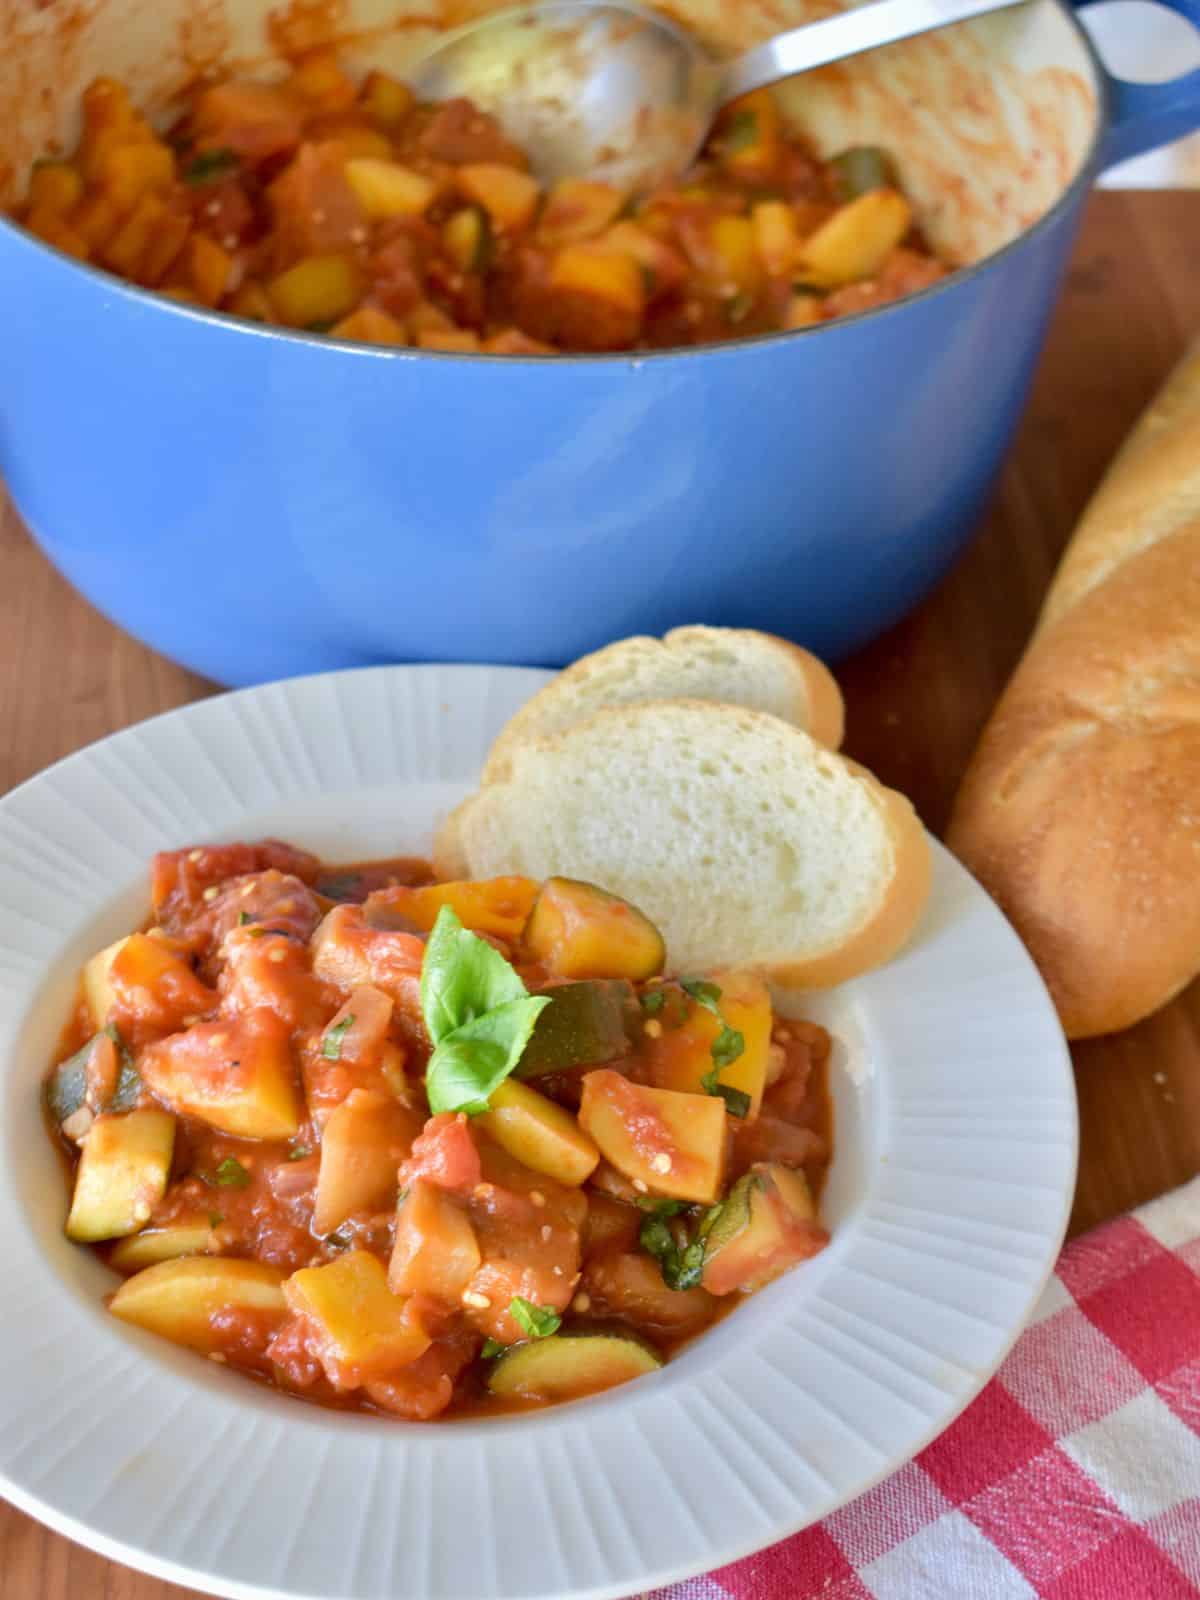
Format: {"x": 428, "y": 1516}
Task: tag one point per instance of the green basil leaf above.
{"x": 476, "y": 1058}
{"x": 492, "y": 1348}
{"x": 727, "y": 1046}
{"x": 231, "y": 1174}
{"x": 690, "y": 1267}
{"x": 737, "y": 1101}
{"x": 243, "y": 918}
{"x": 215, "y": 1219}
{"x": 536, "y": 1322}
{"x": 331, "y": 1044}
{"x": 462, "y": 977}
{"x": 703, "y": 992}
{"x": 653, "y": 1001}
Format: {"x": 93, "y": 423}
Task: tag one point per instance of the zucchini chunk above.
{"x": 122, "y": 1174}
{"x": 567, "y": 1366}
{"x": 540, "y": 1134}
{"x": 579, "y": 931}
{"x": 767, "y": 1224}
{"x": 152, "y": 1245}
{"x": 586, "y": 1024}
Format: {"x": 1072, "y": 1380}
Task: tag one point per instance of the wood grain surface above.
{"x": 916, "y": 702}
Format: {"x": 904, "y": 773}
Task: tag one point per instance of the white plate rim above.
{"x": 616, "y": 1486}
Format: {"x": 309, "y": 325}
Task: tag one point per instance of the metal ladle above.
{"x": 610, "y": 89}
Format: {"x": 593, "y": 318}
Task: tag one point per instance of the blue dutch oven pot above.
{"x": 256, "y": 503}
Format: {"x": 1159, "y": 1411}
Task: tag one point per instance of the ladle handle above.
{"x": 833, "y": 38}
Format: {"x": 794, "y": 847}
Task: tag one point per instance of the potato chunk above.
{"x": 668, "y": 1143}
{"x": 152, "y": 1245}
{"x": 178, "y": 1299}
{"x": 122, "y": 1174}
{"x": 856, "y": 241}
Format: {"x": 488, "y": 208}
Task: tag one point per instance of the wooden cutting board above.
{"x": 916, "y": 701}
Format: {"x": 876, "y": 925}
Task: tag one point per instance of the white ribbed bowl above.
{"x": 949, "y": 1193}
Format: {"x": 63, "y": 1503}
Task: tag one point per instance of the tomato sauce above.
{"x": 300, "y": 1137}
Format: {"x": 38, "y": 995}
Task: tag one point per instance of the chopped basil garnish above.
{"x": 299, "y": 1152}
{"x": 737, "y": 1101}
{"x": 491, "y": 1348}
{"x": 653, "y": 1001}
{"x": 331, "y": 1044}
{"x": 681, "y": 1267}
{"x": 209, "y": 164}
{"x": 477, "y": 1012}
{"x": 215, "y": 1219}
{"x": 727, "y": 1046}
{"x": 681, "y": 1264}
{"x": 243, "y": 918}
{"x": 536, "y": 1322}
{"x": 341, "y": 1238}
{"x": 703, "y": 993}
{"x": 661, "y": 1208}
{"x": 231, "y": 1174}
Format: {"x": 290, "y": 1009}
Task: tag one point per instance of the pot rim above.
{"x": 631, "y": 359}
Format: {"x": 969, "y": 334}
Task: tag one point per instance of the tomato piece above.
{"x": 445, "y": 1153}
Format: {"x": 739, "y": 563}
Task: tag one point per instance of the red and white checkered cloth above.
{"x": 1074, "y": 1476}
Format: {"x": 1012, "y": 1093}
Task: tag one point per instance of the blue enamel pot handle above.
{"x": 1146, "y": 115}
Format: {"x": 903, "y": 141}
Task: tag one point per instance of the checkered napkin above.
{"x": 1074, "y": 1476}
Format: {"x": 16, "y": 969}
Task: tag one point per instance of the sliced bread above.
{"x": 736, "y": 665}
{"x": 746, "y": 841}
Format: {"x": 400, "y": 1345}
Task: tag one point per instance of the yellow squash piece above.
{"x": 509, "y": 196}
{"x": 122, "y": 1174}
{"x": 363, "y": 1142}
{"x": 679, "y": 1057}
{"x": 487, "y": 905}
{"x": 538, "y": 1133}
{"x": 601, "y": 271}
{"x": 318, "y": 289}
{"x": 387, "y": 189}
{"x": 386, "y": 99}
{"x": 361, "y": 1321}
{"x": 856, "y": 241}
{"x": 735, "y": 246}
{"x": 579, "y": 931}
{"x": 664, "y": 1142}
{"x": 370, "y": 325}
{"x": 55, "y": 187}
{"x": 152, "y": 1245}
{"x": 578, "y": 208}
{"x": 177, "y": 1299}
{"x": 436, "y": 1251}
{"x": 776, "y": 237}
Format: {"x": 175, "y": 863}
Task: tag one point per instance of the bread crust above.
{"x": 1080, "y": 811}
{"x": 818, "y": 708}
{"x": 1151, "y": 488}
{"x": 882, "y": 933}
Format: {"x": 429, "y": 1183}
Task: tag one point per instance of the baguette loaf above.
{"x": 1080, "y": 810}
{"x": 735, "y": 665}
{"x": 746, "y": 841}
